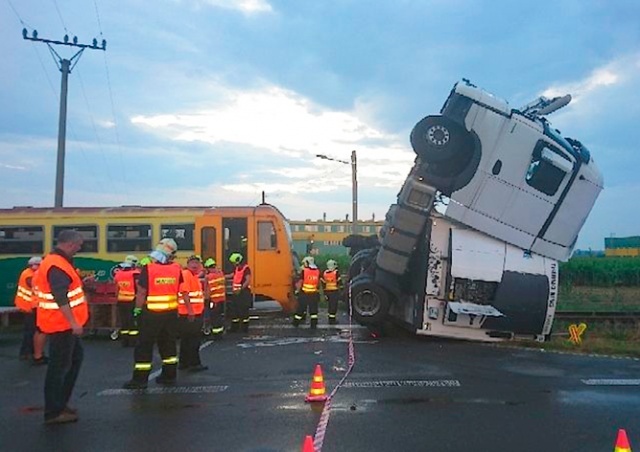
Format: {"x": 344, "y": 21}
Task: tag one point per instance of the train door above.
{"x": 234, "y": 240}
{"x": 208, "y": 238}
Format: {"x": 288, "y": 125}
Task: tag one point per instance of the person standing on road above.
{"x": 242, "y": 297}
{"x": 157, "y": 313}
{"x": 190, "y": 324}
{"x": 309, "y": 296}
{"x": 62, "y": 314}
{"x": 33, "y": 340}
{"x": 331, "y": 288}
{"x": 216, "y": 294}
{"x": 126, "y": 279}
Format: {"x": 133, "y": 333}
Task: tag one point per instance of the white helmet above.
{"x": 331, "y": 264}
{"x": 35, "y": 260}
{"x": 309, "y": 261}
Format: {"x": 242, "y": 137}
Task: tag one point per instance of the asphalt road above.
{"x": 405, "y": 393}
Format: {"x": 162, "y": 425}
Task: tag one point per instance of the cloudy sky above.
{"x": 210, "y": 102}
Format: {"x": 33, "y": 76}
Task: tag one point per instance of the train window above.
{"x": 89, "y": 233}
{"x": 128, "y": 238}
{"x": 22, "y": 240}
{"x": 182, "y": 233}
{"x": 267, "y": 239}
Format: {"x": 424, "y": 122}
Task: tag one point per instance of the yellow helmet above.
{"x": 211, "y": 262}
{"x": 235, "y": 258}
{"x": 145, "y": 261}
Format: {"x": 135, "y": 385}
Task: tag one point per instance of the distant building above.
{"x": 622, "y": 246}
{"x": 325, "y": 237}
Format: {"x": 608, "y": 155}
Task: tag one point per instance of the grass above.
{"x": 600, "y": 299}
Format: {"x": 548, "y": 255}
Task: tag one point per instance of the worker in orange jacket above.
{"x": 33, "y": 340}
{"x": 308, "y": 293}
{"x": 242, "y": 298}
{"x": 190, "y": 326}
{"x": 126, "y": 279}
{"x": 215, "y": 292}
{"x": 62, "y": 314}
{"x": 331, "y": 289}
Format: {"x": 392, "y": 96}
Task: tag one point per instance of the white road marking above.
{"x": 403, "y": 383}
{"x": 612, "y": 382}
{"x": 165, "y": 390}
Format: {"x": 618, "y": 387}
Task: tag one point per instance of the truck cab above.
{"x": 487, "y": 268}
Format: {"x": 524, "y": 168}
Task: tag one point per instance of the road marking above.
{"x": 300, "y": 340}
{"x": 165, "y": 390}
{"x": 612, "y": 382}
{"x": 403, "y": 383}
{"x": 155, "y": 373}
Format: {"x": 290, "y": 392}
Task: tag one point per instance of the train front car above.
{"x": 487, "y": 269}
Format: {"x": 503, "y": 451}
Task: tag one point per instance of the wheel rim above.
{"x": 438, "y": 135}
{"x": 367, "y": 303}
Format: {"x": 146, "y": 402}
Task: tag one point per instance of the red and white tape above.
{"x": 321, "y": 429}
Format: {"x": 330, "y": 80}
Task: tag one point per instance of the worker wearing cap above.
{"x": 126, "y": 279}
{"x": 33, "y": 340}
{"x": 242, "y": 297}
{"x": 190, "y": 324}
{"x": 216, "y": 294}
{"x": 308, "y": 294}
{"x": 331, "y": 288}
{"x": 159, "y": 287}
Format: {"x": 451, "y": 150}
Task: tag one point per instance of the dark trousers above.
{"x": 216, "y": 316}
{"x": 332, "y": 300}
{"x": 190, "y": 334}
{"x": 128, "y": 329}
{"x": 307, "y": 301}
{"x": 65, "y": 359}
{"x": 156, "y": 328}
{"x": 240, "y": 305}
{"x": 29, "y": 330}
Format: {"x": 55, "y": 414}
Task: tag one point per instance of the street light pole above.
{"x": 354, "y": 185}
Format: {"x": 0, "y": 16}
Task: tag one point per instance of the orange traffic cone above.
{"x": 317, "y": 393}
{"x": 308, "y": 444}
{"x": 622, "y": 443}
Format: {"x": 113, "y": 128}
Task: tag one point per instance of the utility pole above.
{"x": 354, "y": 185}
{"x": 65, "y": 66}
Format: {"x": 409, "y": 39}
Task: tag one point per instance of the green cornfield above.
{"x": 601, "y": 272}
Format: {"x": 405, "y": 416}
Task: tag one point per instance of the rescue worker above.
{"x": 190, "y": 326}
{"x": 242, "y": 297}
{"x": 216, "y": 294}
{"x": 62, "y": 314}
{"x": 331, "y": 287}
{"x": 126, "y": 279}
{"x": 308, "y": 294}
{"x": 156, "y": 311}
{"x": 33, "y": 340}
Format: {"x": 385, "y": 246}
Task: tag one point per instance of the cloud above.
{"x": 106, "y": 124}
{"x": 14, "y": 167}
{"x": 244, "y": 6}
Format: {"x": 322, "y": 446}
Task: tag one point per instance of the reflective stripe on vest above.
{"x": 238, "y": 276}
{"x": 50, "y": 318}
{"x": 216, "y": 282}
{"x": 310, "y": 280}
{"x": 330, "y": 280}
{"x": 192, "y": 285}
{"x": 164, "y": 285}
{"x": 125, "y": 279}
{"x": 24, "y": 299}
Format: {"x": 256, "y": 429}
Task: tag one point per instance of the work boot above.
{"x": 245, "y": 327}
{"x": 40, "y": 361}
{"x": 133, "y": 384}
{"x": 333, "y": 321}
{"x": 62, "y": 418}
{"x": 234, "y": 327}
{"x": 313, "y": 324}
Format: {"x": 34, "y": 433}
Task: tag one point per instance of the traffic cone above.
{"x": 317, "y": 393}
{"x": 622, "y": 443}
{"x": 308, "y": 444}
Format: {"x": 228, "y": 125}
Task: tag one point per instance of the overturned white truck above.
{"x": 487, "y": 268}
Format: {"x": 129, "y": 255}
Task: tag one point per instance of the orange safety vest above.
{"x": 310, "y": 280}
{"x": 125, "y": 280}
{"x": 216, "y": 282}
{"x": 164, "y": 285}
{"x": 191, "y": 283}
{"x": 50, "y": 319}
{"x": 24, "y": 295}
{"x": 238, "y": 276}
{"x": 330, "y": 280}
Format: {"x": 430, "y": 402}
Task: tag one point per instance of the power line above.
{"x": 60, "y": 16}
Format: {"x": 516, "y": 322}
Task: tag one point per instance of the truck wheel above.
{"x": 369, "y": 301}
{"x": 360, "y": 262}
{"x": 438, "y": 139}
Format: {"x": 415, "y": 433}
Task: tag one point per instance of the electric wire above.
{"x": 55, "y": 3}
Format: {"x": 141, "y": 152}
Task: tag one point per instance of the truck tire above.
{"x": 369, "y": 301}
{"x": 360, "y": 262}
{"x": 437, "y": 139}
